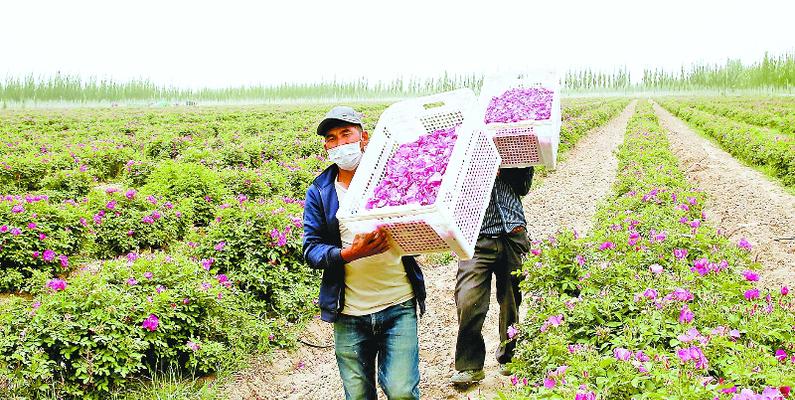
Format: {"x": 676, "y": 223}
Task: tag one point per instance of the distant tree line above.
{"x": 772, "y": 73}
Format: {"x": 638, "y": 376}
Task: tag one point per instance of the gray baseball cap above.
{"x": 339, "y": 113}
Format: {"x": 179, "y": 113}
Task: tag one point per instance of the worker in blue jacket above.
{"x": 368, "y": 292}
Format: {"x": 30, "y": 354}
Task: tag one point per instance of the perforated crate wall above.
{"x": 435, "y": 122}
{"x": 475, "y": 190}
{"x": 518, "y": 146}
{"x": 415, "y": 237}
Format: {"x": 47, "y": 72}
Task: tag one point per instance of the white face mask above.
{"x": 346, "y": 156}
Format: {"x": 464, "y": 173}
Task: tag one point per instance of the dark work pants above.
{"x": 500, "y": 256}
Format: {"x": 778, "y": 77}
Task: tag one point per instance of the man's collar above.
{"x": 327, "y": 177}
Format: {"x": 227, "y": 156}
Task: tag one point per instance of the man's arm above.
{"x": 317, "y": 253}
{"x": 520, "y": 179}
{"x": 322, "y": 255}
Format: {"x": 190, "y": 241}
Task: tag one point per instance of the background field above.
{"x": 193, "y": 214}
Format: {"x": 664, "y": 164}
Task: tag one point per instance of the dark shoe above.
{"x": 467, "y": 377}
{"x": 504, "y": 370}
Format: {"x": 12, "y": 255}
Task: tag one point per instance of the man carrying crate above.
{"x": 370, "y": 294}
{"x": 500, "y": 249}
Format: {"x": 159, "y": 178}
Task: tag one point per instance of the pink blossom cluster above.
{"x": 585, "y": 395}
{"x": 685, "y": 315}
{"x": 49, "y": 256}
{"x": 554, "y": 376}
{"x": 27, "y": 198}
{"x": 150, "y": 219}
{"x": 520, "y": 104}
{"x": 693, "y": 335}
{"x": 767, "y": 394}
{"x": 744, "y": 244}
{"x": 280, "y": 237}
{"x": 703, "y": 266}
{"x": 694, "y": 354}
{"x": 636, "y": 358}
{"x": 414, "y": 173}
{"x": 623, "y": 354}
{"x": 680, "y": 294}
{"x": 733, "y": 334}
{"x": 151, "y": 323}
{"x": 206, "y": 263}
{"x": 554, "y": 320}
{"x": 56, "y": 285}
{"x": 290, "y": 200}
{"x": 512, "y": 331}
{"x": 607, "y": 246}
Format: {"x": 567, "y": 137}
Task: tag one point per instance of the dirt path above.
{"x": 568, "y": 198}
{"x": 569, "y": 195}
{"x": 742, "y": 201}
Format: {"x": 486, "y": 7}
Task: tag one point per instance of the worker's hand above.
{"x": 365, "y": 245}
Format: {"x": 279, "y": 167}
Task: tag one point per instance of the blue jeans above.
{"x": 390, "y": 336}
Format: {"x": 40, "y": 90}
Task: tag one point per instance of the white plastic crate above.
{"x": 453, "y": 221}
{"x": 523, "y": 143}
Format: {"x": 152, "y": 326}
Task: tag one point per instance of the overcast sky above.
{"x": 230, "y": 43}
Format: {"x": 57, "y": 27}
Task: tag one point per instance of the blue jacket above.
{"x": 322, "y": 246}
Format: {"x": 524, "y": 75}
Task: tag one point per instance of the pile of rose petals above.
{"x": 414, "y": 173}
{"x": 520, "y": 104}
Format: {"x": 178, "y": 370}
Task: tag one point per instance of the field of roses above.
{"x": 758, "y": 132}
{"x": 134, "y": 241}
{"x": 654, "y": 303}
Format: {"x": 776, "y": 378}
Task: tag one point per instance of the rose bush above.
{"x": 88, "y": 334}
{"x": 198, "y": 187}
{"x": 257, "y": 244}
{"x": 37, "y": 235}
{"x": 123, "y": 220}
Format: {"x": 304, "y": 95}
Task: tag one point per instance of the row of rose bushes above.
{"x": 745, "y": 111}
{"x": 69, "y": 152}
{"x": 25, "y": 174}
{"x": 575, "y": 125}
{"x": 39, "y": 235}
{"x": 755, "y": 145}
{"x": 575, "y": 107}
{"x": 654, "y": 303}
{"x": 114, "y": 219}
{"x": 780, "y": 105}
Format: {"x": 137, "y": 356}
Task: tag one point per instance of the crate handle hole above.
{"x": 433, "y": 105}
